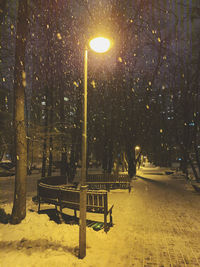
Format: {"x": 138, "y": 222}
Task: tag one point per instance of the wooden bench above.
{"x": 108, "y": 181}
{"x": 97, "y": 201}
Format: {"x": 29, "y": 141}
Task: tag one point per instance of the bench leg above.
{"x": 75, "y": 214}
{"x": 111, "y": 219}
{"x": 60, "y": 208}
{"x": 105, "y": 223}
{"x": 60, "y": 213}
{"x": 108, "y": 187}
{"x": 38, "y": 204}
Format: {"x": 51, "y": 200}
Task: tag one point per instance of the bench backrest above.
{"x": 71, "y": 197}
{"x": 48, "y": 191}
{"x": 53, "y": 180}
{"x": 107, "y": 178}
{"x": 95, "y": 200}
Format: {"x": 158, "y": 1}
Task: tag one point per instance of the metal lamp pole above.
{"x": 99, "y": 45}
{"x": 83, "y": 189}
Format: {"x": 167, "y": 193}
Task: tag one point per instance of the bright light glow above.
{"x": 100, "y": 44}
{"x": 137, "y": 148}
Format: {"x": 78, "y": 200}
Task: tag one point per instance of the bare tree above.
{"x": 2, "y": 10}
{"x": 19, "y": 205}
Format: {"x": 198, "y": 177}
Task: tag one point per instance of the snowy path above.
{"x": 157, "y": 224}
{"x": 167, "y": 220}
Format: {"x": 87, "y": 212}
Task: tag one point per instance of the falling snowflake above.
{"x": 59, "y": 36}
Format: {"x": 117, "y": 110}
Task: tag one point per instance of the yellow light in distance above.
{"x": 100, "y": 44}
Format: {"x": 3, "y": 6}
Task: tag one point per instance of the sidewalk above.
{"x": 165, "y": 221}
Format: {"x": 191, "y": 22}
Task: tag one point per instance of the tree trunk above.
{"x": 3, "y": 9}
{"x": 51, "y": 138}
{"x": 63, "y": 166}
{"x": 184, "y": 163}
{"x": 110, "y": 156}
{"x": 105, "y": 152}
{"x": 19, "y": 205}
{"x": 28, "y": 155}
{"x": 73, "y": 162}
{"x": 44, "y": 156}
{"x": 50, "y": 96}
{"x": 194, "y": 170}
{"x": 196, "y": 150}
{"x": 131, "y": 162}
{"x": 50, "y": 157}
{"x": 124, "y": 162}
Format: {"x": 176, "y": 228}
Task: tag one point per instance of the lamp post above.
{"x": 99, "y": 45}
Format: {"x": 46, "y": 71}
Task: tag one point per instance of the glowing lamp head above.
{"x": 100, "y": 44}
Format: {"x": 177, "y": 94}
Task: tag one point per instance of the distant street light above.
{"x": 137, "y": 148}
{"x": 99, "y": 45}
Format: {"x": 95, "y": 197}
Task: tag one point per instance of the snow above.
{"x": 144, "y": 232}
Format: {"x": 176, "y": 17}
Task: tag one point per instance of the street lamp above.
{"x": 137, "y": 148}
{"x": 99, "y": 45}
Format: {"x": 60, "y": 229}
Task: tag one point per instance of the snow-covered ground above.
{"x": 157, "y": 224}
